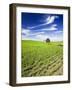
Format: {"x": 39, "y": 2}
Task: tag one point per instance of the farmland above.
{"x": 41, "y": 58}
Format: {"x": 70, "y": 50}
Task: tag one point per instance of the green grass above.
{"x": 41, "y": 59}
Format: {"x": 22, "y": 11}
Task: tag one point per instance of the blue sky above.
{"x": 36, "y": 26}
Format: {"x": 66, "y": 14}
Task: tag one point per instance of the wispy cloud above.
{"x": 42, "y": 37}
{"x": 47, "y": 28}
{"x": 51, "y": 28}
{"x": 48, "y": 20}
{"x": 25, "y": 32}
{"x": 36, "y": 33}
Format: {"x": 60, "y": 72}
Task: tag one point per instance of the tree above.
{"x": 47, "y": 40}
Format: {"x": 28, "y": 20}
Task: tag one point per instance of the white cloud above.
{"x": 37, "y": 26}
{"x": 45, "y": 36}
{"x": 48, "y": 20}
{"x": 25, "y": 34}
{"x": 51, "y": 28}
{"x": 36, "y": 33}
{"x": 24, "y": 37}
{"x": 25, "y": 31}
{"x": 57, "y": 39}
{"x": 28, "y": 35}
{"x": 41, "y": 37}
{"x": 59, "y": 31}
{"x": 54, "y": 25}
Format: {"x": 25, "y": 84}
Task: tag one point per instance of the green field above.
{"x": 41, "y": 58}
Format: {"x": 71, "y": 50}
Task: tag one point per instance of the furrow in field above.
{"x": 39, "y": 62}
{"x": 58, "y": 59}
{"x": 48, "y": 68}
{"x": 39, "y": 68}
{"x": 59, "y": 71}
{"x": 54, "y": 67}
